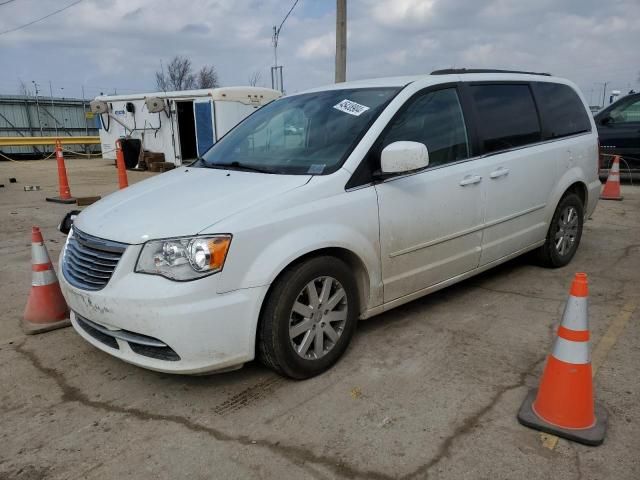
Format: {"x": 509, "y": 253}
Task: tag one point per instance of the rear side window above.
{"x": 507, "y": 116}
{"x": 562, "y": 111}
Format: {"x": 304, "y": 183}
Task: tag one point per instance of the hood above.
{"x": 181, "y": 202}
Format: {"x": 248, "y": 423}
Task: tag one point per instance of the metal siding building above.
{"x": 26, "y": 116}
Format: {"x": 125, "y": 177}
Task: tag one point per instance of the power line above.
{"x": 7, "y": 1}
{"x": 41, "y": 18}
{"x": 287, "y": 15}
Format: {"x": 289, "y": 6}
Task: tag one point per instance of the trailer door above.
{"x": 205, "y": 135}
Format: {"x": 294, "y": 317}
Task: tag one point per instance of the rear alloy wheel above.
{"x": 564, "y": 233}
{"x": 309, "y": 318}
{"x": 567, "y": 231}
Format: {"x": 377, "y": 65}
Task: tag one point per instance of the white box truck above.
{"x": 181, "y": 125}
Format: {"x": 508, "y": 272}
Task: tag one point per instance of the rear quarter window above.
{"x": 506, "y": 116}
{"x": 561, "y": 109}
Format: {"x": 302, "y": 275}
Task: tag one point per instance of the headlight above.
{"x": 184, "y": 258}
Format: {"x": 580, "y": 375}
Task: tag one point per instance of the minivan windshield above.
{"x": 310, "y": 134}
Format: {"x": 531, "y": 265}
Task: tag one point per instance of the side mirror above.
{"x": 67, "y": 221}
{"x": 401, "y": 157}
{"x": 605, "y": 120}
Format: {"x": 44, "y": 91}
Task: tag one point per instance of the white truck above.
{"x": 181, "y": 125}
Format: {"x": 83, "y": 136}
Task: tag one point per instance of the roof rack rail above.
{"x": 451, "y": 71}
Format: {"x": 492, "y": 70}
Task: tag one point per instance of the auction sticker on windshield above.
{"x": 352, "y": 108}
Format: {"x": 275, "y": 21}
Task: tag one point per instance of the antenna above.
{"x": 276, "y": 70}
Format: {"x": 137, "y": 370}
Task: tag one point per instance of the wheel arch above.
{"x": 355, "y": 263}
{"x": 572, "y": 181}
{"x": 580, "y": 189}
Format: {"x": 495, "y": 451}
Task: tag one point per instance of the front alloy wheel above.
{"x": 318, "y": 317}
{"x": 308, "y": 318}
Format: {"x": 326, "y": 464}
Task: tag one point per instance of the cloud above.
{"x": 195, "y": 28}
{"x": 403, "y": 13}
{"x": 321, "y": 46}
{"x": 106, "y": 45}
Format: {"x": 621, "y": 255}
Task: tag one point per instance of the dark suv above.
{"x": 619, "y": 132}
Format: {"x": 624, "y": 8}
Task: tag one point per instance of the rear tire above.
{"x": 564, "y": 234}
{"x": 301, "y": 333}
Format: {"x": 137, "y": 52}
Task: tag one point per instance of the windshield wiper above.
{"x": 241, "y": 166}
{"x": 235, "y": 165}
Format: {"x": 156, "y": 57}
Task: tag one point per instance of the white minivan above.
{"x": 330, "y": 206}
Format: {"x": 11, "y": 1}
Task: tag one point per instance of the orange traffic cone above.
{"x": 611, "y": 190}
{"x": 122, "y": 168}
{"x": 46, "y": 308}
{"x": 63, "y": 182}
{"x": 564, "y": 405}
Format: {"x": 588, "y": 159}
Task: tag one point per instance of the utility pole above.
{"x": 35, "y": 86}
{"x": 276, "y": 71}
{"x": 53, "y": 108}
{"x": 341, "y": 41}
{"x": 604, "y": 92}
{"x": 84, "y": 109}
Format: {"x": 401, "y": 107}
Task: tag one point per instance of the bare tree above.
{"x": 179, "y": 75}
{"x": 207, "y": 77}
{"x": 255, "y": 77}
{"x": 23, "y": 89}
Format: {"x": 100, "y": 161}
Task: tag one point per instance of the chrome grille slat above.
{"x": 102, "y": 256}
{"x": 104, "y": 246}
{"x": 86, "y": 274}
{"x": 89, "y": 262}
{"x": 91, "y": 258}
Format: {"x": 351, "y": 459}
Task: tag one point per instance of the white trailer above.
{"x": 181, "y": 125}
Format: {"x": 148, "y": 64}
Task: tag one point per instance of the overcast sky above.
{"x": 118, "y": 44}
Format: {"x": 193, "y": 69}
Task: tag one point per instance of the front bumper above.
{"x": 206, "y": 330}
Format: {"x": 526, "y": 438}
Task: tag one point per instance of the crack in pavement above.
{"x": 297, "y": 455}
{"x": 519, "y": 294}
{"x": 470, "y": 422}
{"x": 578, "y": 463}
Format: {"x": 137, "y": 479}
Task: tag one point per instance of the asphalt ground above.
{"x": 428, "y": 390}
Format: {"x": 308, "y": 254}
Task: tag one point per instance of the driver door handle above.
{"x": 500, "y": 172}
{"x": 470, "y": 180}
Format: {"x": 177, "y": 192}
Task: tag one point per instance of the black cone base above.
{"x": 61, "y": 200}
{"x": 593, "y": 436}
{"x": 31, "y": 328}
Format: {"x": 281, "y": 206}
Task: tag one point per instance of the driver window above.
{"x": 629, "y": 113}
{"x": 435, "y": 119}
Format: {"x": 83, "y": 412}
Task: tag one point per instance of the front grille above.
{"x": 140, "y": 344}
{"x": 88, "y": 262}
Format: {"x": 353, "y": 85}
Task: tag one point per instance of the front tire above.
{"x": 564, "y": 234}
{"x": 309, "y": 318}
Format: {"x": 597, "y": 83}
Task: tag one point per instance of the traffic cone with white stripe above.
{"x": 63, "y": 181}
{"x": 564, "y": 405}
{"x": 611, "y": 190}
{"x": 46, "y": 308}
